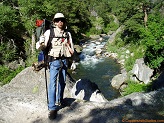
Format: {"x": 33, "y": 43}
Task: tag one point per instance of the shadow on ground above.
{"x": 128, "y": 111}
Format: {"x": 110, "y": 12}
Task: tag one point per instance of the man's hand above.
{"x": 42, "y": 46}
{"x": 67, "y": 45}
{"x": 41, "y": 39}
{"x": 69, "y": 48}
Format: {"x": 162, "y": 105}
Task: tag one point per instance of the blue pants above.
{"x": 57, "y": 83}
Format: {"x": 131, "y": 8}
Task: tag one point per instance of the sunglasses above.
{"x": 59, "y": 19}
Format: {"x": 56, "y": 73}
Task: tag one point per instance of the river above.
{"x": 98, "y": 69}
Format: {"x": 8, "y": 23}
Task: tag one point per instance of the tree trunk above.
{"x": 145, "y": 18}
{"x": 33, "y": 43}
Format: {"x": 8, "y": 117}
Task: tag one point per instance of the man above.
{"x": 61, "y": 48}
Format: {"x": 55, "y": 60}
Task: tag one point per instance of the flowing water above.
{"x": 100, "y": 70}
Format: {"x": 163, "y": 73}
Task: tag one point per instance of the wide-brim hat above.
{"x": 59, "y": 15}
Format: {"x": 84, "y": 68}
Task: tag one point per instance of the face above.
{"x": 60, "y": 22}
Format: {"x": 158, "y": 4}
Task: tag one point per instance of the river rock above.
{"x": 97, "y": 43}
{"x": 78, "y": 48}
{"x": 106, "y": 54}
{"x": 84, "y": 89}
{"x": 114, "y": 55}
{"x": 94, "y": 36}
{"x": 98, "y": 51}
{"x": 100, "y": 39}
{"x": 118, "y": 80}
{"x": 141, "y": 72}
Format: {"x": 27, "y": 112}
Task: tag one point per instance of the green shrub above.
{"x": 137, "y": 51}
{"x": 129, "y": 63}
{"x": 136, "y": 87}
{"x": 112, "y": 26}
{"x": 93, "y": 30}
{"x": 112, "y": 48}
{"x": 31, "y": 59}
{"x": 7, "y": 52}
{"x": 153, "y": 39}
{"x": 7, "y": 75}
{"x": 119, "y": 47}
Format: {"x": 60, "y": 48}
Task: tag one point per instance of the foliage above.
{"x": 112, "y": 26}
{"x": 97, "y": 25}
{"x": 136, "y": 52}
{"x": 32, "y": 58}
{"x": 125, "y": 9}
{"x": 7, "y": 53}
{"x": 153, "y": 39}
{"x": 136, "y": 87}
{"x": 7, "y": 74}
{"x": 11, "y": 42}
{"x": 9, "y": 21}
{"x": 143, "y": 39}
{"x": 149, "y": 36}
{"x": 75, "y": 12}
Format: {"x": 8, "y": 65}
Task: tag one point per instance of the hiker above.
{"x": 61, "y": 48}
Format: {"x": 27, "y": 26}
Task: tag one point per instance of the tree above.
{"x": 143, "y": 22}
{"x": 11, "y": 33}
{"x": 153, "y": 38}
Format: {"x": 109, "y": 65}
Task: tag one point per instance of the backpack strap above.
{"x": 46, "y": 50}
{"x": 52, "y": 35}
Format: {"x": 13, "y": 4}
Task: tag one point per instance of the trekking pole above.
{"x": 45, "y": 62}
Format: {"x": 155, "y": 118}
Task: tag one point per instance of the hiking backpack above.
{"x": 42, "y": 27}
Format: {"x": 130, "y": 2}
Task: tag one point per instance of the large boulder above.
{"x": 23, "y": 100}
{"x": 119, "y": 80}
{"x": 84, "y": 89}
{"x": 141, "y": 72}
{"x": 34, "y": 83}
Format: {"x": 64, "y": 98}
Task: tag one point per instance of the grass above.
{"x": 136, "y": 87}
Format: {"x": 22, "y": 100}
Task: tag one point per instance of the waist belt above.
{"x": 51, "y": 58}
